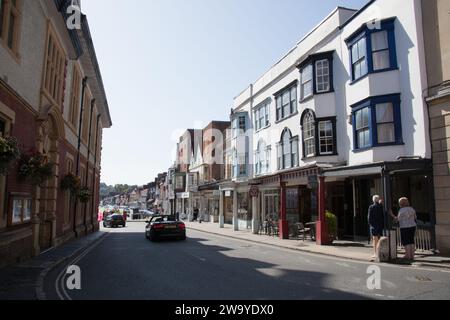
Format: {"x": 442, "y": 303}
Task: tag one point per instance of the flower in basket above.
{"x": 84, "y": 195}
{"x": 9, "y": 153}
{"x": 36, "y": 169}
{"x": 72, "y": 183}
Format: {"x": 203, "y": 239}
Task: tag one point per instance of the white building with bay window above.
{"x": 346, "y": 103}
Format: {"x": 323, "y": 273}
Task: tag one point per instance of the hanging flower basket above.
{"x": 36, "y": 169}
{"x": 84, "y": 195}
{"x": 9, "y": 153}
{"x": 72, "y": 183}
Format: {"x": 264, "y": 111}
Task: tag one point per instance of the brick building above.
{"x": 52, "y": 100}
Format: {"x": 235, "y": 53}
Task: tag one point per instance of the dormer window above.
{"x": 316, "y": 74}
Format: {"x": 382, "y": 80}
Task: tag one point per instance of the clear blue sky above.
{"x": 168, "y": 65}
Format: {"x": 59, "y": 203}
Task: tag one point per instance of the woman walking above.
{"x": 407, "y": 219}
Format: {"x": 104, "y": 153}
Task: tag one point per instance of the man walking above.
{"x": 376, "y": 223}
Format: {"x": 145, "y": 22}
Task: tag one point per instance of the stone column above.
{"x": 235, "y": 211}
{"x": 221, "y": 209}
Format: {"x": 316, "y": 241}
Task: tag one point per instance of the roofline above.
{"x": 92, "y": 54}
{"x": 299, "y": 42}
{"x": 357, "y": 13}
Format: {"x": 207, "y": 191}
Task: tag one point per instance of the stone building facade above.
{"x": 436, "y": 24}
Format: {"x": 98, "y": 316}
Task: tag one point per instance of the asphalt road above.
{"x": 124, "y": 265}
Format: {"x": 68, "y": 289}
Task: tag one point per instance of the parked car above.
{"x": 114, "y": 221}
{"x": 163, "y": 226}
{"x": 144, "y": 214}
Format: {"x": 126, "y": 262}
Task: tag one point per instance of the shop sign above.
{"x": 185, "y": 195}
{"x": 228, "y": 193}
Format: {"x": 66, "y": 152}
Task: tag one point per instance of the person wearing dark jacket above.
{"x": 376, "y": 223}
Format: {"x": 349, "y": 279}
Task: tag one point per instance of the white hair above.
{"x": 376, "y": 199}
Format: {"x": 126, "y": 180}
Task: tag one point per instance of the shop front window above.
{"x": 272, "y": 205}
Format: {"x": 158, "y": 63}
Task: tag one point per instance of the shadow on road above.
{"x": 194, "y": 270}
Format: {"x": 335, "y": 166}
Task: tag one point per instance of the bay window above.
{"x": 373, "y": 49}
{"x": 359, "y": 59}
{"x": 316, "y": 73}
{"x": 377, "y": 122}
{"x": 307, "y": 81}
{"x": 322, "y": 76}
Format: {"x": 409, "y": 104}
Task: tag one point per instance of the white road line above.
{"x": 60, "y": 279}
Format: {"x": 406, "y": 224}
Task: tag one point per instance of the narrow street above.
{"x": 124, "y": 265}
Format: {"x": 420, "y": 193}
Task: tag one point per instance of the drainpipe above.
{"x": 80, "y": 123}
{"x": 94, "y": 171}
{"x": 88, "y": 155}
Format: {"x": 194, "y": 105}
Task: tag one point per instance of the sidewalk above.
{"x": 341, "y": 249}
{"x": 24, "y": 281}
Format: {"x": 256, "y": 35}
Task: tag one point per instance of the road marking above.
{"x": 62, "y": 294}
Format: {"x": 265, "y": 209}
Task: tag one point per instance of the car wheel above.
{"x": 183, "y": 238}
{"x": 104, "y": 225}
{"x": 153, "y": 238}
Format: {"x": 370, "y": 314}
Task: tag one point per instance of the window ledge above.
{"x": 334, "y": 154}
{"x": 290, "y": 116}
{"x": 306, "y": 99}
{"x": 263, "y": 128}
{"x": 379, "y": 146}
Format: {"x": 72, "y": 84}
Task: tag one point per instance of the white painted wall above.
{"x": 409, "y": 81}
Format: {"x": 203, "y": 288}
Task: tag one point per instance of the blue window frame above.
{"x": 377, "y": 122}
{"x": 373, "y": 49}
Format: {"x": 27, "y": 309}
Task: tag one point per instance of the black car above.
{"x": 114, "y": 221}
{"x": 163, "y": 226}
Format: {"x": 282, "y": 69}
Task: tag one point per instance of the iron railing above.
{"x": 424, "y": 239}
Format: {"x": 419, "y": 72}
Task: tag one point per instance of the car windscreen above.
{"x": 163, "y": 219}
{"x": 117, "y": 217}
